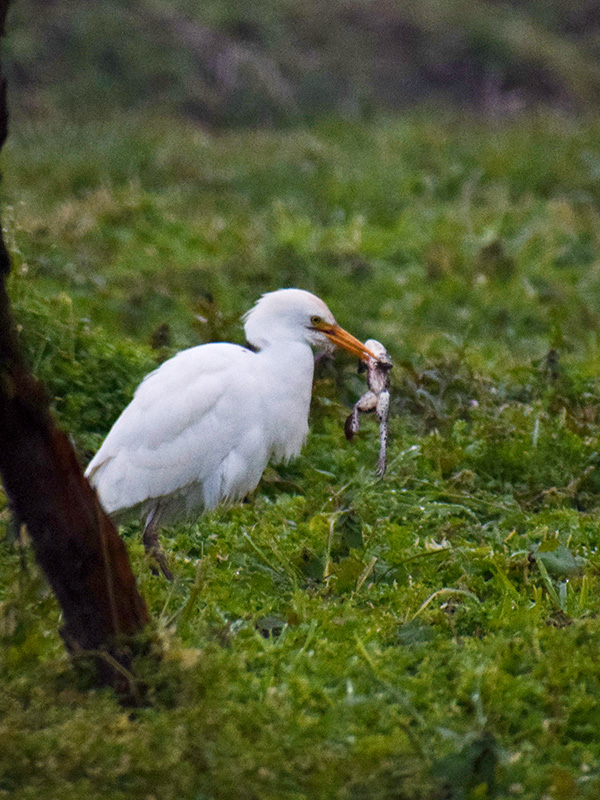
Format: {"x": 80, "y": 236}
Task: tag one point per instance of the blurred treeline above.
{"x": 274, "y": 62}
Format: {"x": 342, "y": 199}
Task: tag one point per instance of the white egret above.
{"x": 202, "y": 427}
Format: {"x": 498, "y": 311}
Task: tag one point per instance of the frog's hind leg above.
{"x": 365, "y": 404}
{"x": 383, "y": 410}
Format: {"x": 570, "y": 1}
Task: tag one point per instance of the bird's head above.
{"x": 297, "y": 315}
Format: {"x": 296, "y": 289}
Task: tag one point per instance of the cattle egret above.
{"x": 202, "y": 427}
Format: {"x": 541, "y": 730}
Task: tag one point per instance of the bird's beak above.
{"x": 342, "y": 338}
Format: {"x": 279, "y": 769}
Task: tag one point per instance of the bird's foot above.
{"x": 159, "y": 557}
{"x": 155, "y": 552}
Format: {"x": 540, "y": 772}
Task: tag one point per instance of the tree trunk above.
{"x": 74, "y": 541}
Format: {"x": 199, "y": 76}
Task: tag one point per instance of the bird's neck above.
{"x": 286, "y": 375}
{"x": 289, "y": 360}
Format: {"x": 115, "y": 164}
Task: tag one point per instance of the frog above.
{"x": 376, "y": 399}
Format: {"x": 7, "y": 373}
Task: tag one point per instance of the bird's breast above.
{"x": 286, "y": 400}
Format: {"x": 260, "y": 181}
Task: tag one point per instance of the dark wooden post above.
{"x": 74, "y": 541}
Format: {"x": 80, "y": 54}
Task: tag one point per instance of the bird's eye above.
{"x": 316, "y": 321}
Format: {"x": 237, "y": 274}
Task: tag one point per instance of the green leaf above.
{"x": 559, "y": 561}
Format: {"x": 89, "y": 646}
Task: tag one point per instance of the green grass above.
{"x": 430, "y": 635}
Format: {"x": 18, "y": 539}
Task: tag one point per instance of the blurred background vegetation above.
{"x": 272, "y": 63}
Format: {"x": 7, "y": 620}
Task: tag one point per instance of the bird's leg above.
{"x": 383, "y": 410}
{"x": 152, "y": 545}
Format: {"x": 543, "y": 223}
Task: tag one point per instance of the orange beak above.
{"x": 342, "y": 338}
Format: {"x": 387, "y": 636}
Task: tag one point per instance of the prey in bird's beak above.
{"x": 341, "y": 338}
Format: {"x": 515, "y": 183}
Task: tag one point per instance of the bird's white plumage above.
{"x": 201, "y": 428}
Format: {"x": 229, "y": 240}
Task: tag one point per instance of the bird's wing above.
{"x": 183, "y": 421}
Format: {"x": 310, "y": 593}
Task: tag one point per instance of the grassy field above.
{"x": 431, "y": 635}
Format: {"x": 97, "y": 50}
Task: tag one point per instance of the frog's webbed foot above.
{"x": 351, "y": 424}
